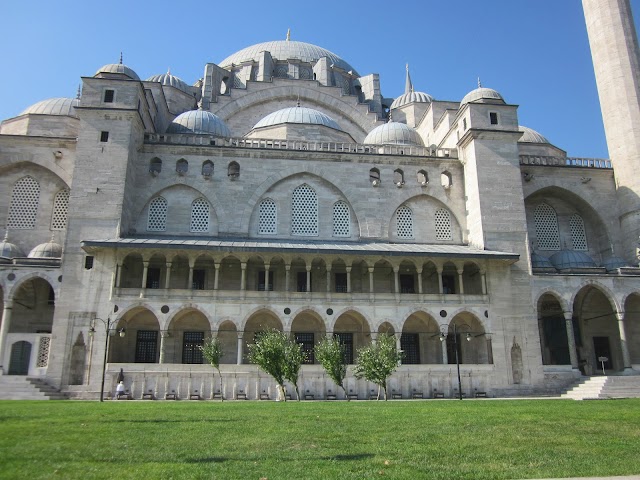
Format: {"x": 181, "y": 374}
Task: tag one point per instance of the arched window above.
{"x": 157, "y": 221}
{"x": 578, "y": 235}
{"x": 404, "y": 222}
{"x": 182, "y": 166}
{"x": 374, "y": 177}
{"x": 546, "y": 223}
{"x": 423, "y": 178}
{"x": 60, "y": 209}
{"x": 24, "y": 204}
{"x": 446, "y": 180}
{"x": 155, "y": 166}
{"x": 199, "y": 215}
{"x": 398, "y": 177}
{"x": 207, "y": 169}
{"x": 267, "y": 222}
{"x": 233, "y": 171}
{"x": 341, "y": 219}
{"x": 443, "y": 224}
{"x": 304, "y": 211}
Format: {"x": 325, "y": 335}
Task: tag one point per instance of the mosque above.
{"x": 284, "y": 190}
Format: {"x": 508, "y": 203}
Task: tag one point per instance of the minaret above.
{"x": 616, "y": 61}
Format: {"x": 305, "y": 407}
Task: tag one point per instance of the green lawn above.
{"x": 324, "y": 440}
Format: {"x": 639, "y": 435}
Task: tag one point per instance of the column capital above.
{"x": 620, "y": 316}
{"x": 240, "y": 334}
{"x": 370, "y": 269}
{"x": 568, "y": 315}
{"x": 396, "y": 268}
{"x": 243, "y": 265}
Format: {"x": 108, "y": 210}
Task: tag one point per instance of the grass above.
{"x": 324, "y": 440}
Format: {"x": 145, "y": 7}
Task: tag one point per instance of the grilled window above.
{"x": 146, "y": 346}
{"x": 410, "y": 345}
{"x": 306, "y": 339}
{"x": 191, "y": 343}
{"x": 346, "y": 340}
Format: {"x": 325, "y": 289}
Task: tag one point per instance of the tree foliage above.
{"x": 378, "y": 361}
{"x": 293, "y": 360}
{"x": 212, "y": 351}
{"x": 331, "y": 355}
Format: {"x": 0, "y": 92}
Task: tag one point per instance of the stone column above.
{"x": 167, "y": 276}
{"x": 308, "y": 278}
{"x": 460, "y": 281}
{"x": 118, "y": 274}
{"x": 349, "y": 279}
{"x": 145, "y": 271}
{"x": 571, "y": 339}
{"x": 398, "y": 336}
{"x": 483, "y": 281}
{"x": 216, "y": 276}
{"x": 443, "y": 345}
{"x": 626, "y": 357}
{"x": 396, "y": 279}
{"x": 440, "y": 287}
{"x": 374, "y": 337}
{"x": 328, "y": 281}
{"x": 370, "y": 282}
{"x": 266, "y": 278}
{"x": 329, "y": 334}
{"x": 190, "y": 280}
{"x": 419, "y": 271}
{"x": 287, "y": 274}
{"x": 243, "y": 276}
{"x": 239, "y": 359}
{"x": 164, "y": 334}
{"x": 4, "y": 330}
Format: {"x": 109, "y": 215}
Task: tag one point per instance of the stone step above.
{"x": 16, "y": 387}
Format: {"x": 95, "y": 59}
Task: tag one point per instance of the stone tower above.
{"x": 616, "y": 61}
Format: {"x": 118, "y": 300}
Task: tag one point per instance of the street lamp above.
{"x": 108, "y": 331}
{"x": 444, "y": 331}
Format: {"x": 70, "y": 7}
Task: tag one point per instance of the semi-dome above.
{"x": 302, "y": 115}
{"x": 531, "y": 136}
{"x": 284, "y": 50}
{"x": 566, "y": 259}
{"x": 118, "y": 68}
{"x": 482, "y": 95}
{"x": 199, "y": 121}
{"x": 411, "y": 97}
{"x": 393, "y": 133}
{"x": 170, "y": 80}
{"x": 613, "y": 263}
{"x": 8, "y": 249}
{"x": 46, "y": 250}
{"x": 54, "y": 106}
{"x": 538, "y": 261}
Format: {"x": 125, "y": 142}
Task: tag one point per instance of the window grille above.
{"x": 237, "y": 81}
{"x": 304, "y": 211}
{"x": 443, "y": 224}
{"x": 262, "y": 277}
{"x": 578, "y": 235}
{"x": 157, "y": 221}
{"x": 281, "y": 71}
{"x": 191, "y": 343}
{"x": 404, "y": 222}
{"x": 306, "y": 340}
{"x": 200, "y": 215}
{"x": 104, "y": 136}
{"x": 153, "y": 277}
{"x": 305, "y": 73}
{"x": 410, "y": 345}
{"x": 346, "y": 341}
{"x": 254, "y": 73}
{"x": 341, "y": 282}
{"x": 24, "y": 204}
{"x": 341, "y": 220}
{"x": 267, "y": 222}
{"x": 109, "y": 96}
{"x": 60, "y": 210}
{"x": 146, "y": 346}
{"x": 546, "y": 224}
{"x": 407, "y": 284}
{"x": 43, "y": 352}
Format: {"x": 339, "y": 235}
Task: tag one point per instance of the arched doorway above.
{"x": 353, "y": 331}
{"x": 187, "y": 332}
{"x": 259, "y": 322}
{"x": 553, "y": 331}
{"x": 471, "y": 340}
{"x": 141, "y": 341}
{"x": 308, "y": 329}
{"x": 420, "y": 340}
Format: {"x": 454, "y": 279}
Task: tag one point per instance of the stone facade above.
{"x": 134, "y": 228}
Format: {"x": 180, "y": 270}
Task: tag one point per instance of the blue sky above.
{"x": 535, "y": 53}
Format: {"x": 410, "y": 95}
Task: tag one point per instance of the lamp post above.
{"x": 108, "y": 331}
{"x": 444, "y": 331}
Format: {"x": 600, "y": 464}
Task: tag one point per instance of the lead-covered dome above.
{"x": 531, "y": 136}
{"x": 567, "y": 259}
{"x": 8, "y": 249}
{"x": 112, "y": 68}
{"x": 199, "y": 121}
{"x": 393, "y": 133}
{"x": 411, "y": 97}
{"x": 301, "y": 115}
{"x": 482, "y": 95}
{"x": 54, "y": 106}
{"x": 538, "y": 261}
{"x": 613, "y": 263}
{"x": 283, "y": 50}
{"x": 47, "y": 250}
{"x": 170, "y": 80}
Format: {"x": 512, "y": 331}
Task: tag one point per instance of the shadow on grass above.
{"x": 194, "y": 420}
{"x": 206, "y": 460}
{"x": 355, "y": 456}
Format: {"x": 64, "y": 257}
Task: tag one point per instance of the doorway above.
{"x": 602, "y": 349}
{"x": 20, "y": 355}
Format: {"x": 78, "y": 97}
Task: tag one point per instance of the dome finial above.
{"x": 120, "y": 58}
{"x": 298, "y": 102}
{"x": 6, "y": 235}
{"x": 169, "y": 71}
{"x": 288, "y": 34}
{"x": 479, "y": 83}
{"x": 408, "y": 86}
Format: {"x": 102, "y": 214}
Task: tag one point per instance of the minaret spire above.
{"x": 120, "y": 58}
{"x": 288, "y": 34}
{"x": 408, "y": 86}
{"x": 479, "y": 83}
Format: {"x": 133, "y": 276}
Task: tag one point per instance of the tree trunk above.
{"x": 283, "y": 392}
{"x": 385, "y": 391}
{"x": 221, "y": 394}
{"x": 345, "y": 393}
{"x": 378, "y": 397}
{"x": 297, "y": 391}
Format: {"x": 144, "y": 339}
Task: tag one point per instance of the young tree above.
{"x": 378, "y": 361}
{"x": 269, "y": 353}
{"x": 330, "y": 354}
{"x": 212, "y": 351}
{"x": 293, "y": 359}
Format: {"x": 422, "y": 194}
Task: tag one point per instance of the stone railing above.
{"x": 565, "y": 162}
{"x": 271, "y": 144}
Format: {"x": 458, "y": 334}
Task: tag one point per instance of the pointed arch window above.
{"x": 443, "y": 224}
{"x": 200, "y": 215}
{"x": 341, "y": 219}
{"x": 267, "y": 221}
{"x": 404, "y": 222}
{"x": 157, "y": 221}
{"x": 546, "y": 224}
{"x": 60, "y": 210}
{"x": 24, "y": 204}
{"x": 304, "y": 211}
{"x": 578, "y": 234}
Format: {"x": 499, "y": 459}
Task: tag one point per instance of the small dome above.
{"x": 482, "y": 95}
{"x": 565, "y": 259}
{"x": 118, "y": 68}
{"x": 531, "y": 136}
{"x": 199, "y": 121}
{"x": 8, "y": 249}
{"x": 54, "y": 106}
{"x": 538, "y": 261}
{"x": 170, "y": 80}
{"x": 393, "y": 133}
{"x": 46, "y": 250}
{"x": 298, "y": 115}
{"x": 411, "y": 97}
{"x": 613, "y": 263}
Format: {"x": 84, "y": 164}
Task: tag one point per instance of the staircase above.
{"x": 17, "y": 387}
{"x": 590, "y": 388}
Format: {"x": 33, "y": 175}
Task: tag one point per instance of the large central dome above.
{"x": 283, "y": 50}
